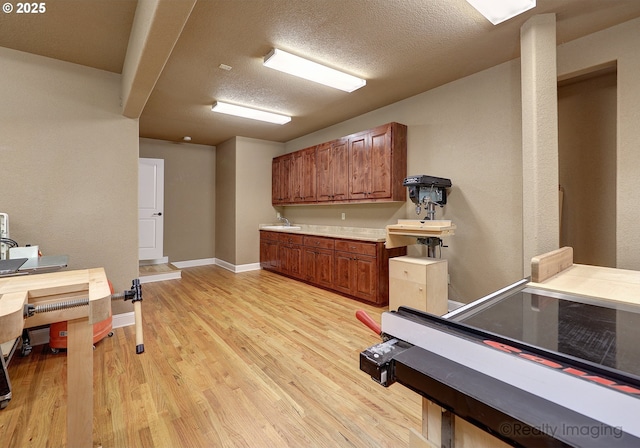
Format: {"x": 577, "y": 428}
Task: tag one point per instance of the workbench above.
{"x": 52, "y": 290}
{"x": 549, "y": 361}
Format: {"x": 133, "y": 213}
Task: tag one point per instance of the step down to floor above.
{"x": 158, "y": 273}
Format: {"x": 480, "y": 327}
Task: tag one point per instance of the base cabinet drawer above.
{"x": 356, "y": 247}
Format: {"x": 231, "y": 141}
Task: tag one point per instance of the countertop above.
{"x": 351, "y": 233}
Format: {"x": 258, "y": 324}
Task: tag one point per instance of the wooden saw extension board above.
{"x": 55, "y": 288}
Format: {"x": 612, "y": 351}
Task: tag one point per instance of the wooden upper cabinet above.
{"x": 368, "y": 166}
{"x": 281, "y": 180}
{"x": 296, "y": 177}
{"x": 332, "y": 162}
{"x": 303, "y": 175}
{"x": 378, "y": 163}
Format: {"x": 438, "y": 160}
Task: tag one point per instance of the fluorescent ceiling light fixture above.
{"x": 247, "y": 112}
{"x": 304, "y": 68}
{"x": 497, "y": 11}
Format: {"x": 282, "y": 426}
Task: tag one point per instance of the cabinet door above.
{"x": 324, "y": 268}
{"x": 340, "y": 169}
{"x": 308, "y": 175}
{"x": 370, "y": 167}
{"x": 291, "y": 258}
{"x": 332, "y": 168}
{"x": 263, "y": 254}
{"x": 281, "y": 180}
{"x": 269, "y": 255}
{"x": 275, "y": 181}
{"x": 296, "y": 177}
{"x": 366, "y": 278}
{"x": 324, "y": 183}
{"x": 359, "y": 166}
{"x": 342, "y": 272}
{"x": 309, "y": 264}
{"x": 356, "y": 275}
{"x": 380, "y": 158}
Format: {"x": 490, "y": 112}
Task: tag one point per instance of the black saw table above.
{"x": 550, "y": 362}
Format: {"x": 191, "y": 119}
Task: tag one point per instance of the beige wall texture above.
{"x": 189, "y": 197}
{"x": 468, "y": 131}
{"x": 471, "y": 131}
{"x": 617, "y": 44}
{"x": 539, "y": 84}
{"x": 69, "y": 164}
{"x": 587, "y": 168}
{"x": 243, "y": 191}
{"x": 225, "y": 229}
{"x": 253, "y": 178}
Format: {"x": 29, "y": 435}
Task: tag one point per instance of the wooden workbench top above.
{"x": 52, "y": 288}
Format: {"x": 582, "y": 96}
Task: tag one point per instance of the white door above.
{"x": 150, "y": 207}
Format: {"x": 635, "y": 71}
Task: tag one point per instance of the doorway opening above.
{"x": 587, "y": 171}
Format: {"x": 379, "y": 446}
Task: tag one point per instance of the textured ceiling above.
{"x": 402, "y": 48}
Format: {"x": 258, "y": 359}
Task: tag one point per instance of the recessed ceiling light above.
{"x": 247, "y": 112}
{"x": 304, "y": 68}
{"x": 497, "y": 11}
{"x": 225, "y": 67}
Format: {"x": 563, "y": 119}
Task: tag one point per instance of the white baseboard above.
{"x": 237, "y": 268}
{"x": 193, "y": 263}
{"x": 248, "y": 267}
{"x": 163, "y": 260}
{"x": 123, "y": 320}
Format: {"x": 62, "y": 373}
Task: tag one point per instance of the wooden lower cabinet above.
{"x": 318, "y": 261}
{"x": 290, "y": 255}
{"x": 318, "y": 266}
{"x": 357, "y": 269}
{"x": 269, "y": 251}
{"x": 356, "y": 275}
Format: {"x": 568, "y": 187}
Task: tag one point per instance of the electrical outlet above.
{"x": 344, "y": 216}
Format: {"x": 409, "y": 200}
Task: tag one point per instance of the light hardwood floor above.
{"x": 231, "y": 360}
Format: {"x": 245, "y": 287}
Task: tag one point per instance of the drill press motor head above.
{"x": 427, "y": 191}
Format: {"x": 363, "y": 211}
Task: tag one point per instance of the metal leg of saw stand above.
{"x": 5, "y": 384}
{"x": 26, "y": 343}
